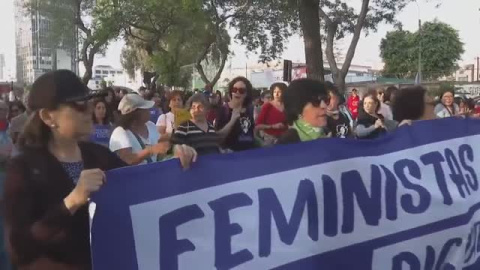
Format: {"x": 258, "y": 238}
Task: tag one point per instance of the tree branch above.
{"x": 79, "y": 21}
{"x": 356, "y": 37}
{"x": 199, "y": 63}
{"x": 324, "y": 16}
{"x": 329, "y": 51}
{"x": 220, "y": 70}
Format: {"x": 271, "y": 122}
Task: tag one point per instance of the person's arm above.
{"x": 261, "y": 119}
{"x": 162, "y": 124}
{"x": 27, "y": 233}
{"x": 131, "y": 158}
{"x": 225, "y": 129}
{"x": 121, "y": 145}
{"x": 362, "y": 131}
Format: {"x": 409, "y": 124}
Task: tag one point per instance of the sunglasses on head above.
{"x": 239, "y": 90}
{"x": 317, "y": 102}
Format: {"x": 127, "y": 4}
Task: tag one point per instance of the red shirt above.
{"x": 353, "y": 103}
{"x": 212, "y": 115}
{"x": 270, "y": 115}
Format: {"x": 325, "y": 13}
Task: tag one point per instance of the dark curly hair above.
{"x": 299, "y": 94}
{"x": 248, "y": 100}
{"x": 283, "y": 87}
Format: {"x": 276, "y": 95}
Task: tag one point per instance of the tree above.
{"x": 276, "y": 20}
{"x": 441, "y": 50}
{"x": 96, "y": 26}
{"x": 165, "y": 36}
{"x": 341, "y": 19}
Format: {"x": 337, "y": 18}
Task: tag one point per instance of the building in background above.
{"x": 35, "y": 53}
{"x": 112, "y": 77}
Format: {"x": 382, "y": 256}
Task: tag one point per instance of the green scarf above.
{"x": 306, "y": 132}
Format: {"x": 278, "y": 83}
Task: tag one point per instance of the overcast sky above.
{"x": 463, "y": 15}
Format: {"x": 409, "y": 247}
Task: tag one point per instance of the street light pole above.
{"x": 419, "y": 72}
{"x": 420, "y": 52}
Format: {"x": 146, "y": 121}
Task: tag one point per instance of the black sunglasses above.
{"x": 318, "y": 101}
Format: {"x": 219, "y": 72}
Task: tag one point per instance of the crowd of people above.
{"x": 55, "y": 150}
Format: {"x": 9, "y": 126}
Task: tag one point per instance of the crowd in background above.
{"x": 61, "y": 143}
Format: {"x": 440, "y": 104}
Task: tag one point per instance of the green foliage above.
{"x": 441, "y": 50}
{"x": 164, "y": 36}
{"x": 266, "y": 26}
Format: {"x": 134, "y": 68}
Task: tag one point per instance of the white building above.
{"x": 108, "y": 74}
{"x": 33, "y": 53}
{"x": 115, "y": 77}
{"x": 264, "y": 77}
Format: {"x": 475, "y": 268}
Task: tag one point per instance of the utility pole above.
{"x": 420, "y": 52}
{"x": 478, "y": 69}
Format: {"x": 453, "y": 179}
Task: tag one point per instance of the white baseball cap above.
{"x": 132, "y": 102}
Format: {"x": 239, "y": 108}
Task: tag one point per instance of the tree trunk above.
{"x": 338, "y": 74}
{"x": 310, "y": 24}
{"x": 88, "y": 72}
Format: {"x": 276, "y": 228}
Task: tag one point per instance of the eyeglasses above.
{"x": 318, "y": 101}
{"x": 239, "y": 90}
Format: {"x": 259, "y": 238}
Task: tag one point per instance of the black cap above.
{"x": 55, "y": 88}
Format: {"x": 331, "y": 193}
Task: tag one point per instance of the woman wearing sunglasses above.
{"x": 49, "y": 183}
{"x": 235, "y": 120}
{"x": 306, "y": 102}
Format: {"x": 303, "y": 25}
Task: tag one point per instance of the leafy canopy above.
{"x": 441, "y": 49}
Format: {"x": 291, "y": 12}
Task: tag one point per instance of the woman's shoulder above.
{"x": 117, "y": 131}
{"x": 151, "y": 125}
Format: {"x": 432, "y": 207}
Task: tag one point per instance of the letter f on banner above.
{"x": 170, "y": 246}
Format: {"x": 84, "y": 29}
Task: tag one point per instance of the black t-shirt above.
{"x": 340, "y": 128}
{"x": 241, "y": 137}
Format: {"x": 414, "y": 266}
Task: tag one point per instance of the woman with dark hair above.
{"x": 306, "y": 102}
{"x": 389, "y": 94}
{"x": 102, "y": 123}
{"x": 371, "y": 124}
{"x": 6, "y": 150}
{"x": 136, "y": 139}
{"x": 155, "y": 111}
{"x": 447, "y": 107}
{"x": 385, "y": 109}
{"x": 198, "y": 132}
{"x": 235, "y": 120}
{"x": 166, "y": 121}
{"x": 112, "y": 104}
{"x": 15, "y": 108}
{"x": 49, "y": 183}
{"x": 413, "y": 104}
{"x": 271, "y": 122}
{"x": 339, "y": 120}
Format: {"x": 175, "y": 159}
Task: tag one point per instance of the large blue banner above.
{"x": 409, "y": 200}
